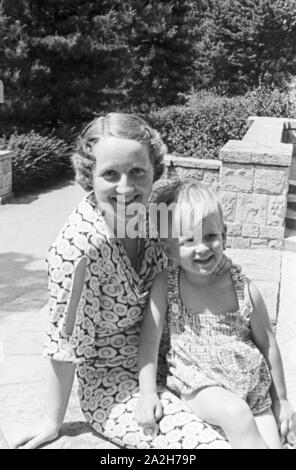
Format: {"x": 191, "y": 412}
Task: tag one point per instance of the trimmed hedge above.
{"x": 38, "y": 161}
{"x": 198, "y": 129}
{"x": 208, "y": 121}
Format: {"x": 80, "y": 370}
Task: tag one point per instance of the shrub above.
{"x": 201, "y": 127}
{"x": 38, "y": 161}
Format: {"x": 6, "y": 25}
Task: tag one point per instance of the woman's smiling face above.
{"x": 123, "y": 173}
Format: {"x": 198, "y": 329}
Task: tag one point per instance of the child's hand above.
{"x": 283, "y": 413}
{"x": 149, "y": 409}
{"x": 224, "y": 265}
{"x": 43, "y": 431}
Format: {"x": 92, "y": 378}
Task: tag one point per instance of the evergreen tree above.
{"x": 81, "y": 57}
{"x": 161, "y": 41}
{"x": 74, "y": 58}
{"x": 246, "y": 43}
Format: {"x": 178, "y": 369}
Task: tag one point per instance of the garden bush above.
{"x": 38, "y": 161}
{"x": 201, "y": 127}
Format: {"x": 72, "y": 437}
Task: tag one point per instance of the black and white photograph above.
{"x": 147, "y": 227}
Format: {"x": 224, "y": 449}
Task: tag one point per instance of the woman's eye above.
{"x": 109, "y": 174}
{"x": 138, "y": 171}
{"x": 211, "y": 236}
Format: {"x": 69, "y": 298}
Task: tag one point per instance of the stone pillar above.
{"x": 5, "y": 175}
{"x": 254, "y": 182}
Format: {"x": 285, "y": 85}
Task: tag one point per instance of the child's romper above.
{"x": 215, "y": 350}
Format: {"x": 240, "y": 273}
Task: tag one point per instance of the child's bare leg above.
{"x": 225, "y": 409}
{"x": 268, "y": 429}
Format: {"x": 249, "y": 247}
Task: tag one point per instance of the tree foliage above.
{"x": 65, "y": 61}
{"x": 78, "y": 58}
{"x": 246, "y": 43}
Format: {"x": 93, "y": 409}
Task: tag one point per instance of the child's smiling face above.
{"x": 199, "y": 251}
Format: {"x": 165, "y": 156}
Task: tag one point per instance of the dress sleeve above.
{"x": 161, "y": 257}
{"x": 66, "y": 270}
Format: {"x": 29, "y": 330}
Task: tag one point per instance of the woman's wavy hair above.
{"x": 125, "y": 126}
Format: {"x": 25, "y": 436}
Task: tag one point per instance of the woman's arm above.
{"x": 149, "y": 406}
{"x": 265, "y": 341}
{"x": 224, "y": 265}
{"x": 60, "y": 381}
{"x": 60, "y": 376}
{"x": 3, "y": 442}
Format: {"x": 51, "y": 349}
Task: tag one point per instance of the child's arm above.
{"x": 149, "y": 406}
{"x": 265, "y": 340}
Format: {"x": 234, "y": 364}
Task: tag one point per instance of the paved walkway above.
{"x": 27, "y": 228}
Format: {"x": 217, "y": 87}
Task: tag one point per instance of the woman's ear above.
{"x": 165, "y": 245}
{"x": 224, "y": 236}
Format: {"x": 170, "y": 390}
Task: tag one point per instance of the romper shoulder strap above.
{"x": 241, "y": 285}
{"x": 173, "y": 281}
{"x": 175, "y": 313}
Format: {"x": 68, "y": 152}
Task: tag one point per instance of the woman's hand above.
{"x": 43, "y": 431}
{"x": 3, "y": 442}
{"x": 148, "y": 409}
{"x": 283, "y": 413}
{"x": 224, "y": 265}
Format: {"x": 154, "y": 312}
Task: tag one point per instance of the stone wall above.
{"x": 289, "y": 136}
{"x": 204, "y": 170}
{"x": 5, "y": 175}
{"x": 252, "y": 179}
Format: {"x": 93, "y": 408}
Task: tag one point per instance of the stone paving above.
{"x": 28, "y": 226}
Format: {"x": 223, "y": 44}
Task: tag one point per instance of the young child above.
{"x": 223, "y": 358}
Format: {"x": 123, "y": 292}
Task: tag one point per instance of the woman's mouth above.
{"x": 204, "y": 261}
{"x": 125, "y": 200}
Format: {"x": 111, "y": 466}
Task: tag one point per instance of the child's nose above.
{"x": 201, "y": 248}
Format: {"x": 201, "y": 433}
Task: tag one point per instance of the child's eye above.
{"x": 186, "y": 241}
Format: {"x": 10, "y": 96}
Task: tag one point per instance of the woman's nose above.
{"x": 124, "y": 186}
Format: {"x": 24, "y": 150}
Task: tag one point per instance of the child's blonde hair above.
{"x": 201, "y": 200}
{"x": 124, "y": 126}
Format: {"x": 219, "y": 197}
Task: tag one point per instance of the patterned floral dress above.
{"x": 215, "y": 350}
{"x": 104, "y": 341}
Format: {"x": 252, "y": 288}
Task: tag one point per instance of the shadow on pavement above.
{"x": 79, "y": 435}
{"x": 20, "y": 275}
{"x": 27, "y": 198}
